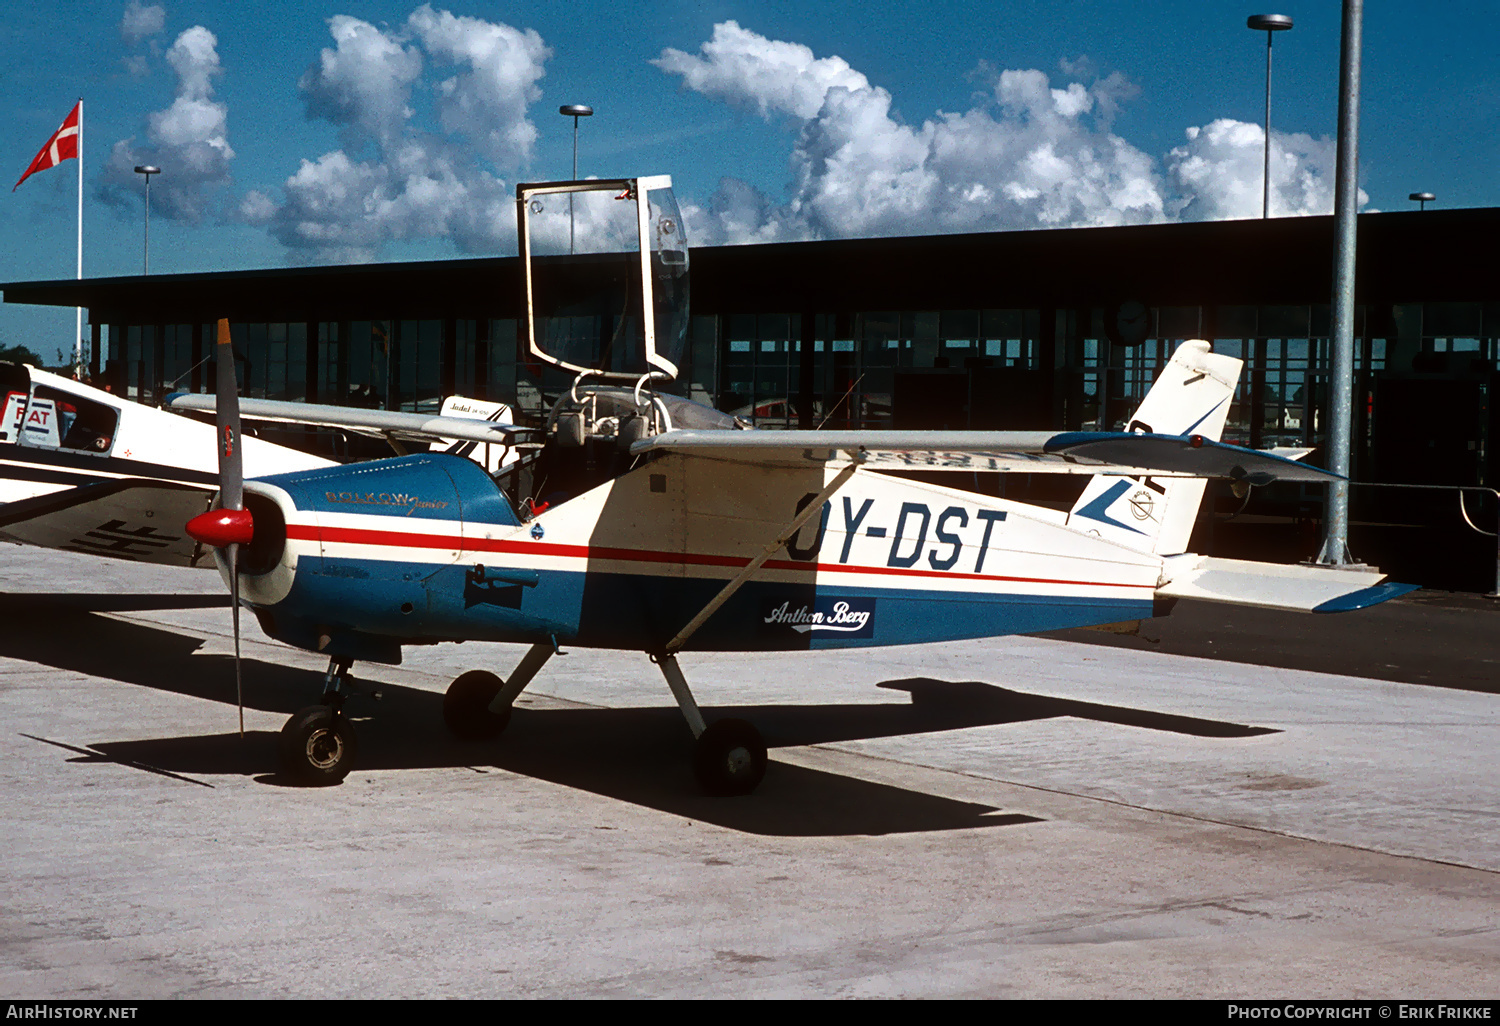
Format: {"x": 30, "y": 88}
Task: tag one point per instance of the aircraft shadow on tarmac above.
{"x": 636, "y": 755}
{"x": 70, "y": 604}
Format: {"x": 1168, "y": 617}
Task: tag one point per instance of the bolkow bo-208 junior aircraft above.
{"x": 635, "y": 519}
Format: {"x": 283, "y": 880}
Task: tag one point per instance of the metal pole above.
{"x": 147, "y": 170}
{"x": 1269, "y": 24}
{"x": 813, "y": 508}
{"x": 78, "y": 313}
{"x": 1265, "y": 174}
{"x": 574, "y": 111}
{"x": 1346, "y": 208}
{"x": 575, "y": 178}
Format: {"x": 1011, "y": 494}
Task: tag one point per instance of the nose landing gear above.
{"x": 318, "y": 746}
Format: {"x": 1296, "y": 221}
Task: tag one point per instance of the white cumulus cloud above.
{"x": 1029, "y": 152}
{"x": 487, "y": 102}
{"x": 189, "y": 140}
{"x": 769, "y": 75}
{"x": 391, "y": 180}
{"x": 1218, "y": 172}
{"x": 141, "y": 24}
{"x": 140, "y": 21}
{"x": 363, "y": 84}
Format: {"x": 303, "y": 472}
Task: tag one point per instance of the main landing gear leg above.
{"x": 478, "y": 703}
{"x": 729, "y": 757}
{"x": 318, "y": 746}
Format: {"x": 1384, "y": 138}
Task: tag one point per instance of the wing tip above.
{"x": 1364, "y": 598}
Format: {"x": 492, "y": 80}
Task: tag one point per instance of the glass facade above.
{"x": 863, "y": 368}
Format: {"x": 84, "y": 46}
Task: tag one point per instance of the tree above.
{"x": 19, "y": 354}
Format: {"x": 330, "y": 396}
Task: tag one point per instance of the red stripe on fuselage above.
{"x": 403, "y": 539}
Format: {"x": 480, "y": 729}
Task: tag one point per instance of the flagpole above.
{"x": 78, "y": 327}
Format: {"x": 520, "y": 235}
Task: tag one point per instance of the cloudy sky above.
{"x": 326, "y": 132}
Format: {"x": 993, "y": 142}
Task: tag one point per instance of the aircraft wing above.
{"x": 133, "y": 519}
{"x": 1028, "y": 452}
{"x": 405, "y": 427}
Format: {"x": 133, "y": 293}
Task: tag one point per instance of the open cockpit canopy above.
{"x": 605, "y": 273}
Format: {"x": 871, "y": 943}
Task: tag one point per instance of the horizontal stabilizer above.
{"x": 1193, "y": 455}
{"x": 1313, "y": 589}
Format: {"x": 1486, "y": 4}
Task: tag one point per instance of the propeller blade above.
{"x": 232, "y": 553}
{"x": 229, "y": 526}
{"x": 231, "y": 462}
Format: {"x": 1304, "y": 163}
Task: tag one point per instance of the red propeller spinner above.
{"x": 222, "y": 527}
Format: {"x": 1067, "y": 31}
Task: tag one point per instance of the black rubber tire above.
{"x": 730, "y": 758}
{"x": 318, "y": 747}
{"x": 466, "y": 707}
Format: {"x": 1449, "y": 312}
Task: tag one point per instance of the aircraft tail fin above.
{"x": 1191, "y": 397}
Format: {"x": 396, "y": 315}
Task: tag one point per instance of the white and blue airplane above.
{"x": 668, "y": 527}
{"x": 85, "y": 470}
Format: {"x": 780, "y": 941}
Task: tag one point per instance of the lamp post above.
{"x": 1270, "y": 24}
{"x": 1345, "y": 210}
{"x": 574, "y": 111}
{"x": 148, "y": 171}
{"x": 1423, "y": 198}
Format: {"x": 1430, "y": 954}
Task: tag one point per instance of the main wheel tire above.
{"x": 730, "y": 758}
{"x": 318, "y": 747}
{"x": 466, "y": 707}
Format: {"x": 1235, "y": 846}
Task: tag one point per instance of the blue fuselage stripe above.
{"x": 421, "y": 601}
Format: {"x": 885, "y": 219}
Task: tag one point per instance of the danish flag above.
{"x": 62, "y": 146}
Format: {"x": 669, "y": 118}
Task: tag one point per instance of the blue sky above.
{"x": 332, "y": 132}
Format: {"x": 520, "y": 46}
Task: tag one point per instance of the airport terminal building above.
{"x": 1060, "y": 329}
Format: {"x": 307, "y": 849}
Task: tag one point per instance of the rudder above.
{"x": 1190, "y": 397}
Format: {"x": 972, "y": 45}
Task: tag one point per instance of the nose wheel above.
{"x": 318, "y": 747}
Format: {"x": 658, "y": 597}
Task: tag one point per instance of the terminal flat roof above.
{"x": 1404, "y": 256}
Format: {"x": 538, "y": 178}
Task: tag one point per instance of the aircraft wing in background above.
{"x": 398, "y": 427}
{"x": 133, "y": 519}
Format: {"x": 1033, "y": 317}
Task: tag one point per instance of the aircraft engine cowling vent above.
{"x": 269, "y": 541}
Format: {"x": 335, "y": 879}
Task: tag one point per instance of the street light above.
{"x": 574, "y": 111}
{"x": 1345, "y": 220}
{"x": 148, "y": 171}
{"x": 1269, "y": 24}
{"x": 1423, "y": 198}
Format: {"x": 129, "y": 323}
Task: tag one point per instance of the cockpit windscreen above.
{"x": 586, "y": 283}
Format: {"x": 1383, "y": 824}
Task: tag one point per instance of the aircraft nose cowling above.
{"x": 222, "y": 527}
